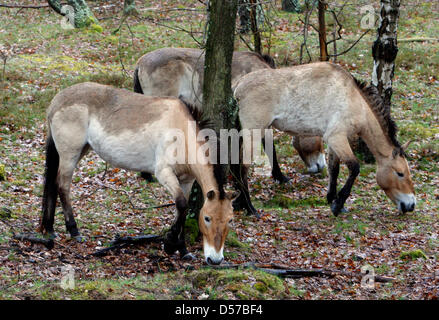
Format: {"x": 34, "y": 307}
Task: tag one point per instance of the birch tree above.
{"x": 385, "y": 49}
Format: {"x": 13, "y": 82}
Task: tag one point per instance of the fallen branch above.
{"x": 48, "y": 243}
{"x": 286, "y": 272}
{"x": 122, "y": 242}
{"x": 20, "y": 6}
{"x": 143, "y": 239}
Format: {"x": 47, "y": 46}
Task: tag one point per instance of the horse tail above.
{"x": 137, "y": 86}
{"x": 50, "y": 193}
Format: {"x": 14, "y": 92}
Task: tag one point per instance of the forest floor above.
{"x": 296, "y": 228}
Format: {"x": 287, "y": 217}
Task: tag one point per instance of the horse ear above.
{"x": 211, "y": 195}
{"x": 405, "y": 145}
{"x": 233, "y": 195}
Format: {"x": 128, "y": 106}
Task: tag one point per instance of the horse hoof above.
{"x": 170, "y": 248}
{"x": 253, "y": 212}
{"x": 188, "y": 257}
{"x": 51, "y": 236}
{"x": 281, "y": 179}
{"x": 336, "y": 210}
{"x": 80, "y": 239}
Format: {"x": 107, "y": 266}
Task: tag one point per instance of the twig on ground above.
{"x": 286, "y": 272}
{"x": 48, "y": 243}
{"x": 122, "y": 242}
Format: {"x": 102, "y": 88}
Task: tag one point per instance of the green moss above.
{"x": 271, "y": 281}
{"x": 412, "y": 254}
{"x": 283, "y": 201}
{"x": 2, "y": 172}
{"x": 260, "y": 286}
{"x": 192, "y": 230}
{"x": 96, "y": 28}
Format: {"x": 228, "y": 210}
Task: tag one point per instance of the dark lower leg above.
{"x": 175, "y": 238}
{"x": 71, "y": 226}
{"x": 343, "y": 194}
{"x": 334, "y": 169}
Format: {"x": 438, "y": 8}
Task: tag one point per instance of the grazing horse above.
{"x": 179, "y": 72}
{"x": 134, "y": 132}
{"x": 323, "y": 99}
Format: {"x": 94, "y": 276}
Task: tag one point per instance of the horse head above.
{"x": 393, "y": 176}
{"x": 214, "y": 222}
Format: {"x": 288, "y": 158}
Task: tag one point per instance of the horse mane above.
{"x": 269, "y": 60}
{"x": 381, "y": 111}
{"x": 218, "y": 171}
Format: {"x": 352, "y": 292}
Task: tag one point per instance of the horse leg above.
{"x": 333, "y": 170}
{"x": 65, "y": 174}
{"x": 342, "y": 149}
{"x": 184, "y": 253}
{"x": 174, "y": 239}
{"x": 275, "y": 169}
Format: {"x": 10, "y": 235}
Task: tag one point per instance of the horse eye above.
{"x": 400, "y": 174}
{"x": 207, "y": 219}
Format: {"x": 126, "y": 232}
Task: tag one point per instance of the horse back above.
{"x": 303, "y": 99}
{"x": 180, "y": 71}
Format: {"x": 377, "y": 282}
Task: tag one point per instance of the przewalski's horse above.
{"x": 323, "y": 99}
{"x": 131, "y": 131}
{"x": 179, "y": 72}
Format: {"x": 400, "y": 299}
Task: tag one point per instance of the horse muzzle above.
{"x": 212, "y": 256}
{"x": 317, "y": 164}
{"x": 406, "y": 202}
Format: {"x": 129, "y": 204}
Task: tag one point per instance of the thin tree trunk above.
{"x": 244, "y": 16}
{"x": 322, "y": 32}
{"x": 129, "y": 7}
{"x": 254, "y": 26}
{"x": 385, "y": 49}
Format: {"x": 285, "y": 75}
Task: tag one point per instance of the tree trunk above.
{"x": 129, "y": 7}
{"x": 291, "y": 5}
{"x": 385, "y": 49}
{"x": 219, "y": 106}
{"x": 244, "y": 16}
{"x": 322, "y": 32}
{"x": 83, "y": 16}
{"x": 254, "y": 26}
